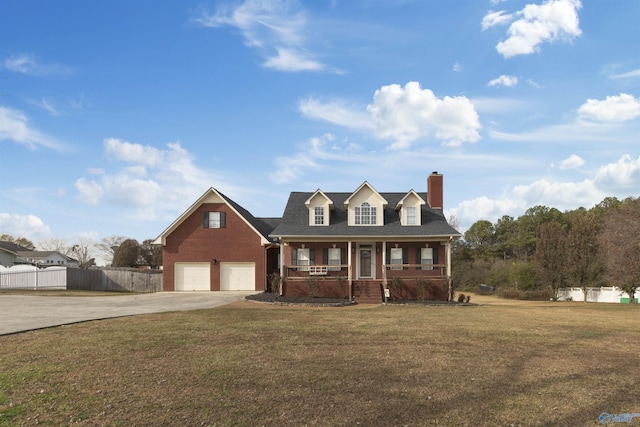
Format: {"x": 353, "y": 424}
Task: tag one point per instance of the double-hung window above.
{"x": 334, "y": 258}
{"x": 411, "y": 215}
{"x": 396, "y": 258}
{"x": 214, "y": 220}
{"x": 365, "y": 214}
{"x": 304, "y": 258}
{"x": 318, "y": 215}
{"x": 426, "y": 258}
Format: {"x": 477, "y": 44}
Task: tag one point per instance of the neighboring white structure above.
{"x": 608, "y": 294}
{"x": 48, "y": 258}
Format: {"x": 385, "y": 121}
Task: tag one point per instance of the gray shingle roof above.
{"x": 264, "y": 225}
{"x": 295, "y": 220}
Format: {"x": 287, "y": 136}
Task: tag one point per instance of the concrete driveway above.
{"x": 20, "y": 313}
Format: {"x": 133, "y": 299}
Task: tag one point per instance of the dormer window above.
{"x": 318, "y": 215}
{"x": 319, "y": 207}
{"x": 411, "y": 215}
{"x": 409, "y": 208}
{"x": 365, "y": 214}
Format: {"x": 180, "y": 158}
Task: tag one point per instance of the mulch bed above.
{"x": 429, "y": 302}
{"x": 268, "y": 297}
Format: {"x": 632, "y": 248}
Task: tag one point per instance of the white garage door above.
{"x": 237, "y": 276}
{"x": 192, "y": 276}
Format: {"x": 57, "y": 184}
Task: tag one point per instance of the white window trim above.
{"x": 395, "y": 258}
{"x": 414, "y": 216}
{"x": 333, "y": 259}
{"x": 371, "y": 215}
{"x": 424, "y": 252}
{"x": 215, "y": 220}
{"x": 318, "y": 213}
{"x": 303, "y": 258}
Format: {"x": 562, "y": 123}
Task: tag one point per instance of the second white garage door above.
{"x": 237, "y": 276}
{"x": 192, "y": 276}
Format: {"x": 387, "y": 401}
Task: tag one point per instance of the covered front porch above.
{"x": 366, "y": 270}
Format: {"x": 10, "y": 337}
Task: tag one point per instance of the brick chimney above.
{"x": 434, "y": 190}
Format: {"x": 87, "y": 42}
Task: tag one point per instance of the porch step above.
{"x": 367, "y": 292}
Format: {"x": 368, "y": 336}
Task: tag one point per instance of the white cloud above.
{"x": 27, "y": 226}
{"x": 28, "y": 64}
{"x": 292, "y": 60}
{"x": 406, "y": 114}
{"x": 150, "y": 183}
{"x": 624, "y": 175}
{"x": 572, "y": 162}
{"x": 47, "y": 106}
{"x": 536, "y": 24}
{"x": 457, "y": 67}
{"x": 337, "y": 112}
{"x": 534, "y": 84}
{"x": 89, "y": 191}
{"x": 14, "y": 127}
{"x": 619, "y": 179}
{"x": 275, "y": 27}
{"x": 503, "y": 80}
{"x": 628, "y": 74}
{"x": 291, "y": 168}
{"x": 492, "y": 18}
{"x": 133, "y": 153}
{"x": 619, "y": 108}
{"x": 58, "y": 108}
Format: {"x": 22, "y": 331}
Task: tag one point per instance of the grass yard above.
{"x": 247, "y": 364}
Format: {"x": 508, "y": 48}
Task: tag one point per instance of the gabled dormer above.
{"x": 365, "y": 207}
{"x": 409, "y": 209}
{"x": 319, "y": 207}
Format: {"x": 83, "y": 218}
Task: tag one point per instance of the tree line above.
{"x": 117, "y": 251}
{"x": 544, "y": 249}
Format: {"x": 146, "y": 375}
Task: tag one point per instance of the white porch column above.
{"x": 448, "y": 247}
{"x": 349, "y": 276}
{"x": 384, "y": 269}
{"x": 281, "y": 267}
{"x": 384, "y": 263}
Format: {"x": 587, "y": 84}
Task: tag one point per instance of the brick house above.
{"x": 217, "y": 245}
{"x": 359, "y": 245}
{"x": 365, "y": 244}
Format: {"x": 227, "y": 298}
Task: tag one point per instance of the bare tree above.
{"x": 454, "y": 222}
{"x": 108, "y": 246}
{"x": 57, "y": 245}
{"x": 80, "y": 251}
{"x": 621, "y": 240}
{"x": 22, "y": 241}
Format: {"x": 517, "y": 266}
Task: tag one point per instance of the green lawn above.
{"x": 499, "y": 364}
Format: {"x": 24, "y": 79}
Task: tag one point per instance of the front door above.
{"x": 365, "y": 262}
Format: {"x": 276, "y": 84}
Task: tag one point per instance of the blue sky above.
{"x": 116, "y": 116}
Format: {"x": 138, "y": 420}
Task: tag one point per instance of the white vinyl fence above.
{"x": 604, "y": 294}
{"x": 30, "y": 277}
